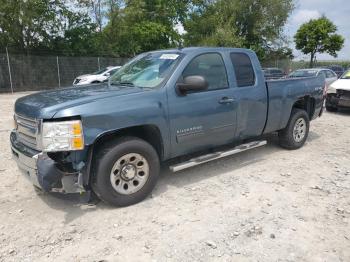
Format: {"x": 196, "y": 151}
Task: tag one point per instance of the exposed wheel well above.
{"x": 149, "y": 133}
{"x": 306, "y": 103}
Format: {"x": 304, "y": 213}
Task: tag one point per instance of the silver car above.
{"x": 329, "y": 75}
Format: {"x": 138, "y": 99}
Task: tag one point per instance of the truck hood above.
{"x": 45, "y": 105}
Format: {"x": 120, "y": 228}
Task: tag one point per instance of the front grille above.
{"x": 27, "y": 131}
{"x": 344, "y": 93}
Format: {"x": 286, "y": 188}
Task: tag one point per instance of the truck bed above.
{"x": 283, "y": 93}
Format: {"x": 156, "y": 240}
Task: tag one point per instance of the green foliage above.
{"x": 129, "y": 27}
{"x": 29, "y": 25}
{"x": 79, "y": 36}
{"x": 250, "y": 23}
{"x": 143, "y": 25}
{"x": 318, "y": 36}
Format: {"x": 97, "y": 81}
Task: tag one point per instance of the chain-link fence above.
{"x": 20, "y": 72}
{"x": 288, "y": 65}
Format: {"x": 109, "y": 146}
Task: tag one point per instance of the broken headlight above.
{"x": 62, "y": 136}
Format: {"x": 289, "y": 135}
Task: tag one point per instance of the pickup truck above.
{"x": 109, "y": 139}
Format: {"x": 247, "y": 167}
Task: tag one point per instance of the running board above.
{"x": 209, "y": 157}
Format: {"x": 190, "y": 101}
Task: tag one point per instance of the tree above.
{"x": 95, "y": 7}
{"x": 32, "y": 25}
{"x": 79, "y": 36}
{"x": 254, "y": 24}
{"x": 318, "y": 36}
{"x": 143, "y": 25}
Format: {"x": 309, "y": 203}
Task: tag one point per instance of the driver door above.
{"x": 203, "y": 119}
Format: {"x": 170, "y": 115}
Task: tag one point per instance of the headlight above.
{"x": 62, "y": 136}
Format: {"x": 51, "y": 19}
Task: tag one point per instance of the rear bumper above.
{"x": 42, "y": 171}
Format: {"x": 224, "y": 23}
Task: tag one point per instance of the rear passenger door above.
{"x": 250, "y": 94}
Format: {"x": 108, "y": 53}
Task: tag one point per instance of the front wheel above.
{"x": 297, "y": 130}
{"x": 126, "y": 171}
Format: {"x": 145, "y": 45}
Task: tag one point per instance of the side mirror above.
{"x": 192, "y": 84}
{"x": 107, "y": 74}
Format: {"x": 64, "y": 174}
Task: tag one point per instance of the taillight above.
{"x": 325, "y": 89}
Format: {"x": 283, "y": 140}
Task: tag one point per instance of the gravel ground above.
{"x": 268, "y": 204}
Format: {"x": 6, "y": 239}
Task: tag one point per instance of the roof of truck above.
{"x": 187, "y": 50}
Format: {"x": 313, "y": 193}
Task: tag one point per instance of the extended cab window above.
{"x": 211, "y": 67}
{"x": 243, "y": 69}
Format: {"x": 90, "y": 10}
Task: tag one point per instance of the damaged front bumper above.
{"x": 44, "y": 172}
{"x": 340, "y": 99}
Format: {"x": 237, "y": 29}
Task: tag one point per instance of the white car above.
{"x": 96, "y": 77}
{"x": 338, "y": 93}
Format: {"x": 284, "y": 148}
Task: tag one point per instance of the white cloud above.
{"x": 336, "y": 10}
{"x": 304, "y": 15}
{"x": 180, "y": 29}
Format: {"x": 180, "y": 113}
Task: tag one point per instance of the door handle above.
{"x": 226, "y": 100}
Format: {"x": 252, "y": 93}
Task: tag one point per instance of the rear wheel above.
{"x": 297, "y": 130}
{"x": 126, "y": 171}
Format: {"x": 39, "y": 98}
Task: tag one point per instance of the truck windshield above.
{"x": 147, "y": 70}
{"x": 346, "y": 75}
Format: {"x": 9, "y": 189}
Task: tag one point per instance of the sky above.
{"x": 338, "y": 11}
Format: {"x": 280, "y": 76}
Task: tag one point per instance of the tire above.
{"x": 331, "y": 108}
{"x": 296, "y": 131}
{"x": 114, "y": 181}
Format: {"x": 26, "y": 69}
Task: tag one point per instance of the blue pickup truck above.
{"x": 164, "y": 105}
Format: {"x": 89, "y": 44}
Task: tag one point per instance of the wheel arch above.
{"x": 150, "y": 133}
{"x": 306, "y": 103}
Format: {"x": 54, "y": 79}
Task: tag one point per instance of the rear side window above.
{"x": 243, "y": 69}
{"x": 211, "y": 67}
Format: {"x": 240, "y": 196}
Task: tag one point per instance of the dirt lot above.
{"x": 268, "y": 204}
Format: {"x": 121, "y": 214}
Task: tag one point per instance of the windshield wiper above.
{"x": 122, "y": 84}
{"x": 126, "y": 83}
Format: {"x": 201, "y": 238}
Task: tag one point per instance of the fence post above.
{"x": 98, "y": 63}
{"x": 9, "y": 67}
{"x": 58, "y": 73}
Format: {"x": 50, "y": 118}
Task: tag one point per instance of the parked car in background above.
{"x": 338, "y": 94}
{"x": 273, "y": 73}
{"x": 96, "y": 77}
{"x": 339, "y": 70}
{"x": 329, "y": 75}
